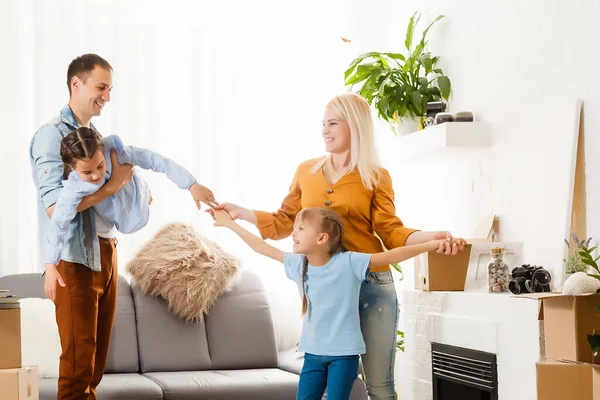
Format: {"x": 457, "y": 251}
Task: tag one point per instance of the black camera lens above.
{"x": 517, "y": 285}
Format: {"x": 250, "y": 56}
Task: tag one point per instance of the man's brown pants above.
{"x": 85, "y": 312}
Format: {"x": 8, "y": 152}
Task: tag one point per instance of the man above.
{"x": 86, "y": 295}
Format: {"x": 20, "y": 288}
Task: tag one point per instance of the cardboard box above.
{"x": 567, "y": 380}
{"x": 439, "y": 272}
{"x": 19, "y": 384}
{"x": 567, "y": 322}
{"x": 10, "y": 338}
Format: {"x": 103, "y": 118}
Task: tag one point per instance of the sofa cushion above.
{"x": 122, "y": 353}
{"x": 24, "y": 285}
{"x": 112, "y": 387}
{"x": 252, "y": 384}
{"x": 240, "y": 327}
{"x": 185, "y": 268}
{"x": 238, "y": 330}
{"x": 167, "y": 342}
{"x": 123, "y": 348}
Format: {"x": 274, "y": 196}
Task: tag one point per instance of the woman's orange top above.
{"x": 365, "y": 213}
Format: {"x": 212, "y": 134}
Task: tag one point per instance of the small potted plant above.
{"x": 573, "y": 262}
{"x": 399, "y": 86}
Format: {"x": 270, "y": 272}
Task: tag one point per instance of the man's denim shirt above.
{"x": 81, "y": 243}
{"x": 128, "y": 209}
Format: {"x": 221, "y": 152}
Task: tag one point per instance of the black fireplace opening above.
{"x": 463, "y": 374}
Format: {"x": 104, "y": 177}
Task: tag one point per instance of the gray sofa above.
{"x": 154, "y": 354}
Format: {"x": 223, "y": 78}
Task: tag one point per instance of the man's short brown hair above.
{"x": 83, "y": 65}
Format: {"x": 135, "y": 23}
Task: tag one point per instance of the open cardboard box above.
{"x": 439, "y": 272}
{"x": 10, "y": 338}
{"x": 568, "y": 320}
{"x": 566, "y": 380}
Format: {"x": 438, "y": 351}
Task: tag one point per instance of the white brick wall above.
{"x": 493, "y": 323}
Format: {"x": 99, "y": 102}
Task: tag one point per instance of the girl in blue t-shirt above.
{"x": 329, "y": 280}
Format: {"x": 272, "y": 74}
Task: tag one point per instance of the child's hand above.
{"x": 50, "y": 279}
{"x": 437, "y": 245}
{"x": 203, "y": 194}
{"x": 222, "y": 217}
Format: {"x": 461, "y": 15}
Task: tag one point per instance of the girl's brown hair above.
{"x": 80, "y": 144}
{"x": 328, "y": 222}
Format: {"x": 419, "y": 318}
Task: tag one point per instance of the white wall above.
{"x": 519, "y": 66}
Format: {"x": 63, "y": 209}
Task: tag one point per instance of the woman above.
{"x": 350, "y": 181}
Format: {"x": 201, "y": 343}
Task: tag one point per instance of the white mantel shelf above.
{"x": 445, "y": 137}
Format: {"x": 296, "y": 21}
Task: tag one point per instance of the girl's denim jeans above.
{"x": 336, "y": 373}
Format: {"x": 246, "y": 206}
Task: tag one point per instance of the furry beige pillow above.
{"x": 184, "y": 268}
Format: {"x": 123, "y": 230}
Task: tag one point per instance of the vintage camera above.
{"x": 529, "y": 279}
{"x": 433, "y": 107}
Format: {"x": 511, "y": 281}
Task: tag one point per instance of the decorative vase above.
{"x": 408, "y": 125}
{"x": 498, "y": 271}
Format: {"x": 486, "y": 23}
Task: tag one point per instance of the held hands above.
{"x": 221, "y": 217}
{"x": 448, "y": 244}
{"x": 50, "y": 279}
{"x": 234, "y": 210}
{"x": 203, "y": 194}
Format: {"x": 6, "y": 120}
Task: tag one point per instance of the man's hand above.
{"x": 202, "y": 194}
{"x": 120, "y": 176}
{"x": 51, "y": 278}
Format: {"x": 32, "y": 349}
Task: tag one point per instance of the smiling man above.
{"x": 85, "y": 280}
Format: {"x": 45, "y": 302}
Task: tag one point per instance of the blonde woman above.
{"x": 350, "y": 181}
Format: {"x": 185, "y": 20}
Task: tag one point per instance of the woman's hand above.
{"x": 51, "y": 278}
{"x": 449, "y": 245}
{"x": 202, "y": 194}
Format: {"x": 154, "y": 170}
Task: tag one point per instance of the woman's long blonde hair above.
{"x": 356, "y": 112}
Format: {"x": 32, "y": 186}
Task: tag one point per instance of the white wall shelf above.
{"x": 449, "y": 135}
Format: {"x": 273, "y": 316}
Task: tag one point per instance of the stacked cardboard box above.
{"x": 16, "y": 382}
{"x": 570, "y": 370}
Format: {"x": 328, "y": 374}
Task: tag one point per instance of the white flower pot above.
{"x": 408, "y": 125}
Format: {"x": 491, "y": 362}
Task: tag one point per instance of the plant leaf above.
{"x": 444, "y": 85}
{"x": 427, "y": 62}
{"x": 410, "y": 30}
{"x": 594, "y": 276}
{"x": 395, "y": 56}
{"x": 594, "y": 341}
{"x": 417, "y": 99}
{"x": 429, "y": 27}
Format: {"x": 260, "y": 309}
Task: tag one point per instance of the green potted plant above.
{"x": 573, "y": 262}
{"x": 399, "y": 86}
{"x": 587, "y": 257}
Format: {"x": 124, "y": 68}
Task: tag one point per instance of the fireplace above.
{"x": 464, "y": 374}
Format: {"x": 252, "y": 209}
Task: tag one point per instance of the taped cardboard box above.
{"x": 567, "y": 322}
{"x": 567, "y": 380}
{"x": 10, "y": 338}
{"x": 19, "y": 383}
